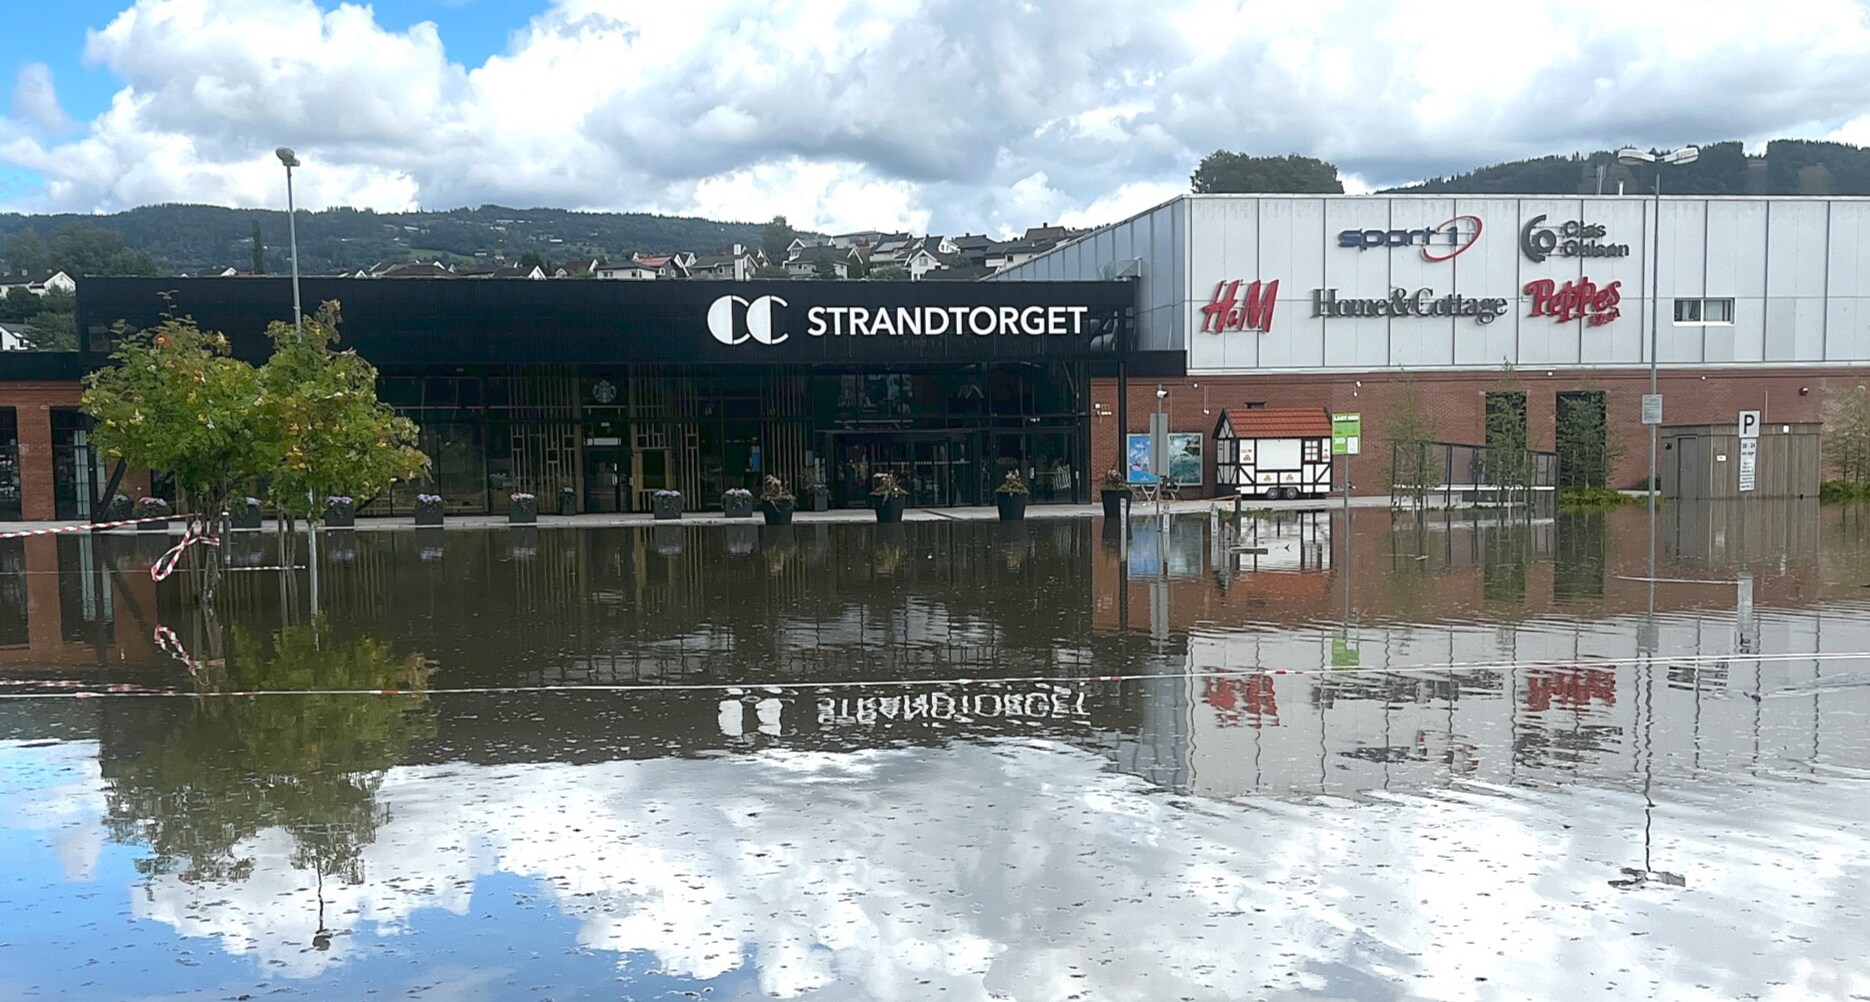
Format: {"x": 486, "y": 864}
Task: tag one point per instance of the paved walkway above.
{"x": 1035, "y": 512}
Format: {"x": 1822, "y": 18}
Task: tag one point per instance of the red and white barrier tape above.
{"x": 1453, "y": 667}
{"x": 170, "y": 644}
{"x": 165, "y": 564}
{"x": 82, "y": 528}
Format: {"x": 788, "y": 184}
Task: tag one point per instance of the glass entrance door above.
{"x": 937, "y": 469}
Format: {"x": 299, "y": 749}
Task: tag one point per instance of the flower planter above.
{"x": 890, "y": 508}
{"x": 117, "y": 510}
{"x": 816, "y": 497}
{"x": 777, "y": 512}
{"x": 521, "y": 514}
{"x": 151, "y": 508}
{"x": 1113, "y": 502}
{"x": 666, "y": 507}
{"x": 340, "y": 516}
{"x": 429, "y": 514}
{"x": 1012, "y": 506}
{"x": 156, "y": 526}
{"x": 245, "y": 517}
{"x": 566, "y": 502}
{"x": 737, "y": 505}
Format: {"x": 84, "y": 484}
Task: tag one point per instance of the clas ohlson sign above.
{"x": 465, "y": 321}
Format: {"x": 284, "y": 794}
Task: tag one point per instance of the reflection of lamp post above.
{"x": 1675, "y": 158}
{"x": 1634, "y": 878}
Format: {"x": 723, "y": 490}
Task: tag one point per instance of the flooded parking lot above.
{"x": 1438, "y": 758}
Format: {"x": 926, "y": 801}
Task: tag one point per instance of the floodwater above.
{"x": 1436, "y": 759}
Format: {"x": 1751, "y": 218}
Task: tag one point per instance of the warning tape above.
{"x": 776, "y": 686}
{"x": 170, "y": 644}
{"x": 165, "y": 564}
{"x": 83, "y": 528}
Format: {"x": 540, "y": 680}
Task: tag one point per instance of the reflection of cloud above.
{"x": 1028, "y": 870}
{"x": 56, "y": 788}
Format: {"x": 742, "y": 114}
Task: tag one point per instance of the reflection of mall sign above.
{"x": 1572, "y": 238}
{"x": 1403, "y": 303}
{"x": 1235, "y": 308}
{"x": 1582, "y": 299}
{"x": 736, "y": 320}
{"x": 963, "y": 706}
{"x": 1439, "y": 242}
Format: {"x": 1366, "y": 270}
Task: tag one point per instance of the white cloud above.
{"x": 35, "y": 100}
{"x": 958, "y": 115}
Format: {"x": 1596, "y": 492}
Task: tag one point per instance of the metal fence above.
{"x": 1460, "y": 475}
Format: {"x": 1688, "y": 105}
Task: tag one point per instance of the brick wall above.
{"x": 1455, "y": 400}
{"x": 33, "y": 403}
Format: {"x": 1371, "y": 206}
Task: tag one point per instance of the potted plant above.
{"x": 565, "y": 498}
{"x": 247, "y": 516}
{"x": 118, "y": 509}
{"x": 155, "y": 510}
{"x": 888, "y": 497}
{"x": 666, "y": 504}
{"x": 775, "y": 501}
{"x": 1011, "y": 496}
{"x": 737, "y": 503}
{"x": 428, "y": 509}
{"x": 340, "y": 512}
{"x": 522, "y": 508}
{"x": 813, "y": 494}
{"x": 1114, "y": 490}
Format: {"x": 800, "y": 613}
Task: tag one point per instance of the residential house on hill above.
{"x": 16, "y": 337}
{"x": 37, "y": 284}
{"x": 731, "y": 263}
{"x": 809, "y": 262}
{"x": 637, "y": 271}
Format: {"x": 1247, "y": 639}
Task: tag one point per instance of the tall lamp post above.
{"x": 291, "y": 160}
{"x": 1652, "y": 405}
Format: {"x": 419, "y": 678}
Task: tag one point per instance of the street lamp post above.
{"x": 1630, "y": 157}
{"x": 291, "y": 160}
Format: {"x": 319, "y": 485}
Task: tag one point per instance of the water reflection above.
{"x": 1029, "y": 761}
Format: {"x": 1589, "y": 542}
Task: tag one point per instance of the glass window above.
{"x": 9, "y": 465}
{"x": 1718, "y": 311}
{"x": 1312, "y": 451}
{"x": 1688, "y": 311}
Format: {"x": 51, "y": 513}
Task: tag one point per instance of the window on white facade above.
{"x": 1704, "y": 311}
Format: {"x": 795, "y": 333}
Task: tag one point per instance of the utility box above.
{"x": 1711, "y": 462}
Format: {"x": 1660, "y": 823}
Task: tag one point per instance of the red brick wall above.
{"x": 1456, "y": 402}
{"x": 32, "y": 403}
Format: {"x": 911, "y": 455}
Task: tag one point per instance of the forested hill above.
{"x": 1790, "y": 167}
{"x": 194, "y": 237}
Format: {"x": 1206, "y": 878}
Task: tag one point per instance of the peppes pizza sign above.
{"x": 1580, "y": 299}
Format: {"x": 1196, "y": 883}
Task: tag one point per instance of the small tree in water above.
{"x": 332, "y": 436}
{"x": 1416, "y": 466}
{"x": 1847, "y": 435}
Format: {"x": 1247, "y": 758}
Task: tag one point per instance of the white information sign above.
{"x": 1652, "y": 408}
{"x": 1749, "y": 454}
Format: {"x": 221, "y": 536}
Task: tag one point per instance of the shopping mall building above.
{"x": 615, "y": 390}
{"x": 1346, "y": 302}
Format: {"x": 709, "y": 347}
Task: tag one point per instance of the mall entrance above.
{"x": 952, "y": 468}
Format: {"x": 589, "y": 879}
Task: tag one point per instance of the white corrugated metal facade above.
{"x": 1797, "y": 272}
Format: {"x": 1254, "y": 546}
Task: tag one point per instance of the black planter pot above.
{"x": 816, "y": 498}
{"x": 428, "y": 514}
{"x": 777, "y": 512}
{"x": 737, "y": 505}
{"x": 117, "y": 511}
{"x": 521, "y": 514}
{"x": 340, "y": 516}
{"x": 666, "y": 508}
{"x": 889, "y": 509}
{"x": 565, "y": 505}
{"x": 162, "y": 526}
{"x": 247, "y": 517}
{"x": 1012, "y": 506}
{"x": 1113, "y": 502}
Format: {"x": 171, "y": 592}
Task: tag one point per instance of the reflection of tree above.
{"x": 309, "y": 764}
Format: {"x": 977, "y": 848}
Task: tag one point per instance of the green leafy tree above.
{"x": 771, "y": 271}
{"x": 1416, "y": 465}
{"x": 825, "y": 269}
{"x": 175, "y": 401}
{"x": 890, "y": 273}
{"x": 53, "y": 331}
{"x": 80, "y": 250}
{"x": 532, "y": 259}
{"x": 1509, "y": 462}
{"x": 1847, "y": 435}
{"x": 25, "y": 253}
{"x": 309, "y": 764}
{"x": 259, "y": 250}
{"x": 331, "y": 435}
{"x": 1222, "y": 172}
{"x": 776, "y": 238}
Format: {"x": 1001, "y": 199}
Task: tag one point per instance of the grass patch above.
{"x": 1596, "y": 499}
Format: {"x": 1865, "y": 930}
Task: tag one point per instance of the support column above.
{"x": 35, "y": 462}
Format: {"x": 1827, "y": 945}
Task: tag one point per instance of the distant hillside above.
{"x": 193, "y": 237}
{"x": 1790, "y": 167}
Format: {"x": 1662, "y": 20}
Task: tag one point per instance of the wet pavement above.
{"x": 1447, "y": 758}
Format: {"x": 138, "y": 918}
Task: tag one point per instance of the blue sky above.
{"x": 931, "y": 115}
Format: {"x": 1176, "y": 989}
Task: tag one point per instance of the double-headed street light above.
{"x": 291, "y": 160}
{"x": 1652, "y": 405}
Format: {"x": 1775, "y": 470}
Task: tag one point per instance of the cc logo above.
{"x": 758, "y": 325}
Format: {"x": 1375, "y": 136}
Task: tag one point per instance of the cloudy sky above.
{"x": 947, "y": 115}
